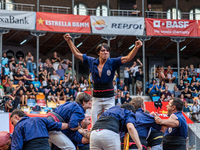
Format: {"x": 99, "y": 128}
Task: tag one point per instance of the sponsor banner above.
{"x": 117, "y": 25}
{"x": 4, "y": 119}
{"x": 62, "y": 22}
{"x": 17, "y": 19}
{"x": 162, "y": 112}
{"x": 169, "y": 27}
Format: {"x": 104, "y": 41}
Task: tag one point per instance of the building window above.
{"x": 80, "y": 9}
{"x": 171, "y": 14}
{"x": 195, "y": 14}
{"x": 8, "y": 5}
{"x": 102, "y": 10}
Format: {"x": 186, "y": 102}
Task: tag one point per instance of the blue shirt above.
{"x": 36, "y": 84}
{"x": 72, "y": 112}
{"x": 108, "y": 71}
{"x": 154, "y": 88}
{"x": 4, "y": 61}
{"x": 181, "y": 130}
{"x": 123, "y": 115}
{"x": 144, "y": 122}
{"x": 6, "y": 71}
{"x": 31, "y": 128}
{"x": 159, "y": 87}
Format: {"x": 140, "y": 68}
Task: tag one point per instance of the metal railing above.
{"x": 20, "y": 6}
{"x": 194, "y": 136}
{"x": 125, "y": 13}
{"x": 158, "y": 14}
{"x": 55, "y": 9}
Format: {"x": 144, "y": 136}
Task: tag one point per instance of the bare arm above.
{"x": 139, "y": 62}
{"x": 134, "y": 135}
{"x": 73, "y": 48}
{"x": 85, "y": 133}
{"x": 85, "y": 140}
{"x": 167, "y": 122}
{"x": 132, "y": 54}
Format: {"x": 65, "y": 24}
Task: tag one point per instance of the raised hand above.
{"x": 138, "y": 44}
{"x": 67, "y": 37}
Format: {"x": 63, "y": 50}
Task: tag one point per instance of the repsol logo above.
{"x": 126, "y": 26}
{"x": 13, "y": 20}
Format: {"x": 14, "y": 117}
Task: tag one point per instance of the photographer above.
{"x": 8, "y": 105}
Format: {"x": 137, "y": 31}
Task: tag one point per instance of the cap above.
{"x": 4, "y": 138}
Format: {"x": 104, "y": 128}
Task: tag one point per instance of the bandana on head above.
{"x": 4, "y": 138}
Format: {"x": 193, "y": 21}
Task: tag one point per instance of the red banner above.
{"x": 169, "y": 27}
{"x": 163, "y": 111}
{"x": 62, "y": 22}
{"x": 198, "y": 27}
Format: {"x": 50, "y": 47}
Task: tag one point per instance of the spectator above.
{"x": 79, "y": 91}
{"x": 6, "y": 80}
{"x": 17, "y": 76}
{"x": 126, "y": 76}
{"x": 20, "y": 66}
{"x": 12, "y": 63}
{"x": 45, "y": 75}
{"x": 198, "y": 69}
{"x": 186, "y": 81}
{"x": 135, "y": 11}
{"x": 27, "y": 78}
{"x": 81, "y": 80}
{"x": 134, "y": 69}
{"x": 75, "y": 84}
{"x": 193, "y": 89}
{"x": 115, "y": 87}
{"x": 182, "y": 97}
{"x": 84, "y": 85}
{"x": 29, "y": 62}
{"x": 167, "y": 94}
{"x": 88, "y": 91}
{"x": 192, "y": 71}
{"x": 127, "y": 98}
{"x": 181, "y": 86}
{"x": 60, "y": 93}
{"x": 186, "y": 71}
{"x": 125, "y": 90}
{"x": 40, "y": 63}
{"x": 188, "y": 96}
{"x": 67, "y": 93}
{"x": 161, "y": 74}
{"x": 40, "y": 71}
{"x": 176, "y": 92}
{"x": 186, "y": 109}
{"x": 15, "y": 100}
{"x": 9, "y": 89}
{"x": 21, "y": 92}
{"x": 161, "y": 87}
{"x": 65, "y": 63}
{"x": 55, "y": 60}
{"x": 66, "y": 83}
{"x": 138, "y": 77}
{"x": 195, "y": 111}
{"x": 6, "y": 70}
{"x": 168, "y": 75}
{"x": 54, "y": 77}
{"x": 149, "y": 12}
{"x": 21, "y": 62}
{"x": 31, "y": 92}
{"x": 55, "y": 82}
{"x": 120, "y": 85}
{"x": 119, "y": 100}
{"x": 60, "y": 72}
{"x": 4, "y": 60}
{"x": 50, "y": 69}
{"x": 9, "y": 106}
{"x": 52, "y": 95}
{"x": 69, "y": 73}
{"x": 182, "y": 74}
{"x": 153, "y": 89}
{"x": 36, "y": 83}
{"x": 72, "y": 92}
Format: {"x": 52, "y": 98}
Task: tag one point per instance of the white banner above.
{"x": 117, "y": 25}
{"x": 17, "y": 19}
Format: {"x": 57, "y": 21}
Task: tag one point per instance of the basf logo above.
{"x": 170, "y": 24}
{"x": 99, "y": 24}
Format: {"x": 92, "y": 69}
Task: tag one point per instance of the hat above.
{"x": 4, "y": 138}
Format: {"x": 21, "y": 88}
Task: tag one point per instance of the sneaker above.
{"x": 141, "y": 93}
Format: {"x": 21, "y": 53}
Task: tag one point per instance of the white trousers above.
{"x": 104, "y": 140}
{"x": 61, "y": 140}
{"x": 100, "y": 104}
{"x": 55, "y": 65}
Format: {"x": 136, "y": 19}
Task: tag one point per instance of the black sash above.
{"x": 174, "y": 143}
{"x": 55, "y": 117}
{"x": 103, "y": 90}
{"x": 108, "y": 122}
{"x": 37, "y": 144}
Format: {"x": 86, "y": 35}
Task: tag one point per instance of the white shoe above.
{"x": 141, "y": 93}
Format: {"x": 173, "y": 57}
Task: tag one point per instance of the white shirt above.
{"x": 198, "y": 70}
{"x": 126, "y": 74}
{"x": 134, "y": 70}
{"x": 195, "y": 109}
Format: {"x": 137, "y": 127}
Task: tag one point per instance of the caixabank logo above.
{"x": 99, "y": 24}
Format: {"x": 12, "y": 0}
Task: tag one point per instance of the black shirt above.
{"x": 53, "y": 58}
{"x": 138, "y": 76}
{"x": 58, "y": 90}
{"x": 181, "y": 87}
{"x": 17, "y": 75}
